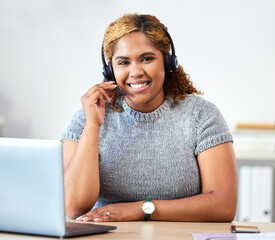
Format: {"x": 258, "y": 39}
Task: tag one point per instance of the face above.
{"x": 139, "y": 71}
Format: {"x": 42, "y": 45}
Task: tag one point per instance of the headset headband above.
{"x": 163, "y": 28}
{"x": 170, "y": 39}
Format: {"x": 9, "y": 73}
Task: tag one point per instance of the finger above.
{"x": 90, "y": 217}
{"x": 104, "y": 91}
{"x": 95, "y": 212}
{"x": 101, "y": 217}
{"x": 104, "y": 85}
{"x": 93, "y": 218}
{"x": 104, "y": 219}
{"x": 97, "y": 215}
{"x": 85, "y": 217}
{"x": 107, "y": 85}
{"x": 104, "y": 94}
{"x": 108, "y": 82}
{"x": 96, "y": 98}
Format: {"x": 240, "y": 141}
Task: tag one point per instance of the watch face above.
{"x": 148, "y": 207}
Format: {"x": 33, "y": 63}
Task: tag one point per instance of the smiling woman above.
{"x": 160, "y": 152}
{"x": 139, "y": 70}
{"x": 152, "y": 34}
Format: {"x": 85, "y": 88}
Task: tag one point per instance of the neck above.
{"x": 146, "y": 104}
{"x": 143, "y": 107}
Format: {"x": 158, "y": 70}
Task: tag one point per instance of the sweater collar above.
{"x": 140, "y": 116}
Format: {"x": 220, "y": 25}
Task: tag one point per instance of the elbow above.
{"x": 221, "y": 215}
{"x": 78, "y": 204}
{"x": 73, "y": 213}
{"x": 224, "y": 208}
{"x": 228, "y": 216}
{"x": 227, "y": 211}
{"x": 74, "y": 210}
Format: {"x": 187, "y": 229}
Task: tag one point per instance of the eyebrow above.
{"x": 142, "y": 55}
{"x": 121, "y": 57}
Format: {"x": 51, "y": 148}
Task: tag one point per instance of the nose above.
{"x": 136, "y": 70}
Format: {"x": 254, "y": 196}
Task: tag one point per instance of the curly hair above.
{"x": 177, "y": 84}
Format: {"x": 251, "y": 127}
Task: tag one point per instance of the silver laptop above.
{"x": 31, "y": 190}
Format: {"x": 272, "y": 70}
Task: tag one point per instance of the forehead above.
{"x": 134, "y": 43}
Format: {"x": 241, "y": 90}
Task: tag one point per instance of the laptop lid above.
{"x": 31, "y": 185}
{"x": 31, "y": 190}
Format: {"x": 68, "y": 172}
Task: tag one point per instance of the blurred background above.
{"x": 50, "y": 56}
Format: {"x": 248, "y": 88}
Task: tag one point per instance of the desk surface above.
{"x": 152, "y": 230}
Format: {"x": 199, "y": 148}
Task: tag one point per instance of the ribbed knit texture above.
{"x": 159, "y": 159}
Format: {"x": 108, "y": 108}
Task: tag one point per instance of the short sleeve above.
{"x": 74, "y": 127}
{"x": 211, "y": 127}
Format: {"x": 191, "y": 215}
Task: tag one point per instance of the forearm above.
{"x": 81, "y": 176}
{"x": 202, "y": 207}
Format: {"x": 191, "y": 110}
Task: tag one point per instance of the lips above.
{"x": 139, "y": 85}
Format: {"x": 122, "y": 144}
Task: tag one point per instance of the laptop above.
{"x": 31, "y": 190}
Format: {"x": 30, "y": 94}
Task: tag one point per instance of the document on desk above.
{"x": 234, "y": 236}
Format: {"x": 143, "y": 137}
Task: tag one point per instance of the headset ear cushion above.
{"x": 112, "y": 75}
{"x": 108, "y": 73}
{"x": 170, "y": 63}
{"x": 105, "y": 74}
{"x": 167, "y": 62}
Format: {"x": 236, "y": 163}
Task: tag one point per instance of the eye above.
{"x": 147, "y": 59}
{"x": 123, "y": 62}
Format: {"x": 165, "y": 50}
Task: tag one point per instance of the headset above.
{"x": 170, "y": 62}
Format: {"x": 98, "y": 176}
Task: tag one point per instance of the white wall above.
{"x": 50, "y": 55}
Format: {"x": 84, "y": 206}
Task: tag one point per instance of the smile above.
{"x": 138, "y": 85}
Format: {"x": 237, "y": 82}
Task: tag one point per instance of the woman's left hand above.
{"x": 117, "y": 212}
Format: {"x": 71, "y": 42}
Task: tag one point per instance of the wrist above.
{"x": 91, "y": 127}
{"x": 148, "y": 209}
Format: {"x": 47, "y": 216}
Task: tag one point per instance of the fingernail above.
{"x": 78, "y": 218}
{"x": 84, "y": 218}
{"x": 95, "y": 219}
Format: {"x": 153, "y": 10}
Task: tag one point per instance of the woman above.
{"x": 159, "y": 152}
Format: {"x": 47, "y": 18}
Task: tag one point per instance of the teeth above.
{"x": 138, "y": 85}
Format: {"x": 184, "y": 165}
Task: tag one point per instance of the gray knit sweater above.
{"x": 157, "y": 160}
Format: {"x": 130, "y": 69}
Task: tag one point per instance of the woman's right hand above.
{"x": 94, "y": 100}
{"x": 81, "y": 158}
